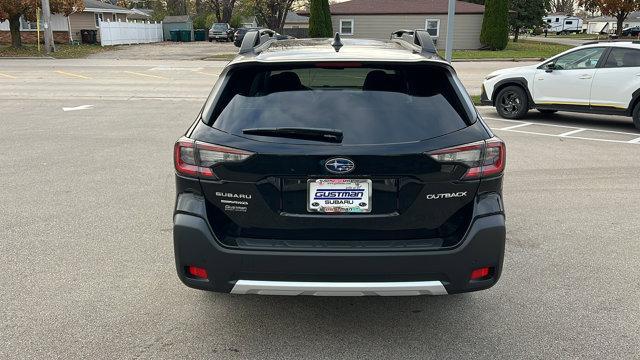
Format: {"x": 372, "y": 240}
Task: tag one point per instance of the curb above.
{"x": 27, "y": 57}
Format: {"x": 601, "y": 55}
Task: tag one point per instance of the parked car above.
{"x": 631, "y": 31}
{"x": 345, "y": 167}
{"x": 221, "y": 32}
{"x": 599, "y": 77}
{"x": 240, "y": 33}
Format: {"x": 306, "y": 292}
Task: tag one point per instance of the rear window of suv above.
{"x": 369, "y": 104}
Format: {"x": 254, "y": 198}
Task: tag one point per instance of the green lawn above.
{"x": 522, "y": 49}
{"x": 63, "y": 51}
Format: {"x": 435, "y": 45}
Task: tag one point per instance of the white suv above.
{"x": 601, "y": 78}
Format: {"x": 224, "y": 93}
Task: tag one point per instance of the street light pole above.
{"x": 450, "y": 30}
{"x": 48, "y": 32}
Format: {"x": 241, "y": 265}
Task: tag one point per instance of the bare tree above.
{"x": 562, "y": 6}
{"x": 272, "y": 13}
{"x": 223, "y": 9}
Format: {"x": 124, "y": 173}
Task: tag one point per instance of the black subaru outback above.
{"x": 339, "y": 167}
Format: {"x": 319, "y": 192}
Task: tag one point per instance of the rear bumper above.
{"x": 339, "y": 273}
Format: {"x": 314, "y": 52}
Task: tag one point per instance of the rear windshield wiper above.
{"x": 315, "y": 134}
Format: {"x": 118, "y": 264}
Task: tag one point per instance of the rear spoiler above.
{"x": 418, "y": 39}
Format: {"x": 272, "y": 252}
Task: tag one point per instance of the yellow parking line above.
{"x": 72, "y": 74}
{"x": 8, "y": 76}
{"x": 147, "y": 75}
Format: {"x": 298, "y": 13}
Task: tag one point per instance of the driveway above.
{"x": 199, "y": 50}
{"x": 558, "y": 40}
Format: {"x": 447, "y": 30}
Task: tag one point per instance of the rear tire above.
{"x": 512, "y": 102}
{"x": 636, "y": 116}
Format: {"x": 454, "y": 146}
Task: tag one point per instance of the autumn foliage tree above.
{"x": 12, "y": 10}
{"x": 619, "y": 9}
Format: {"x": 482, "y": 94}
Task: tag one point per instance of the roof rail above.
{"x": 413, "y": 38}
{"x": 253, "y": 41}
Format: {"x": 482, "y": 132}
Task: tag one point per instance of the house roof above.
{"x": 632, "y": 17}
{"x": 96, "y": 5}
{"x": 176, "y": 19}
{"x": 292, "y": 17}
{"x": 400, "y": 7}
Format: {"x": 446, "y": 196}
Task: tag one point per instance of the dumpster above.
{"x": 185, "y": 35}
{"x": 200, "y": 35}
{"x": 175, "y": 35}
{"x": 89, "y": 36}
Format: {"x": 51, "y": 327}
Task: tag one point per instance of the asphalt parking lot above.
{"x": 86, "y": 253}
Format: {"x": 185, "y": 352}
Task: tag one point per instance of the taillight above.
{"x": 483, "y": 158}
{"x": 196, "y": 158}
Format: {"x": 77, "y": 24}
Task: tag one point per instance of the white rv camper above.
{"x": 563, "y": 24}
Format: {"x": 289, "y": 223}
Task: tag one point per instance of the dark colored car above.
{"x": 239, "y": 35}
{"x": 631, "y": 31}
{"x": 339, "y": 167}
{"x": 221, "y": 32}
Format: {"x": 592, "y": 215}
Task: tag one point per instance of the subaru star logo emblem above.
{"x": 339, "y": 165}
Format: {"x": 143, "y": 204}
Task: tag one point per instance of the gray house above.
{"x": 377, "y": 19}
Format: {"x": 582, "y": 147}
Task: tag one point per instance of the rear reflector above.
{"x": 480, "y": 274}
{"x": 196, "y": 158}
{"x": 198, "y": 272}
{"x": 483, "y": 158}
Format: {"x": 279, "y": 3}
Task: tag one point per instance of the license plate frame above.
{"x": 344, "y": 190}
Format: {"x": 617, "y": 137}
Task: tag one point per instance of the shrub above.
{"x": 495, "y": 25}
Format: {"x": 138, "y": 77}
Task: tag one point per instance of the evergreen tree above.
{"x": 495, "y": 25}
{"x": 320, "y": 19}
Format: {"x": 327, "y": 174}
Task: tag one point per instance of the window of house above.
{"x": 29, "y": 25}
{"x": 346, "y": 26}
{"x": 433, "y": 27}
{"x": 98, "y": 18}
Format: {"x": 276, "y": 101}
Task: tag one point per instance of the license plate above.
{"x": 339, "y": 195}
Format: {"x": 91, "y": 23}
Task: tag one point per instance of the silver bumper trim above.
{"x": 405, "y": 288}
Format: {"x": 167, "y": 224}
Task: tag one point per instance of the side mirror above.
{"x": 550, "y": 67}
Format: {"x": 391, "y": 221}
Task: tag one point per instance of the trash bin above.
{"x": 89, "y": 36}
{"x": 185, "y": 35}
{"x": 200, "y": 35}
{"x": 175, "y": 35}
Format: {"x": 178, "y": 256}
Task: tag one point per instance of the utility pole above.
{"x": 48, "y": 32}
{"x": 450, "y": 30}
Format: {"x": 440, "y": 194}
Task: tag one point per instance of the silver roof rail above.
{"x": 415, "y": 38}
{"x": 257, "y": 41}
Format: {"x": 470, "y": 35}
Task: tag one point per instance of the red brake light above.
{"x": 197, "y": 158}
{"x": 484, "y": 158}
{"x": 481, "y": 273}
{"x": 198, "y": 272}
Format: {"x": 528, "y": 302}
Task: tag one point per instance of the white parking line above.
{"x": 571, "y": 132}
{"x": 567, "y": 135}
{"x": 515, "y": 126}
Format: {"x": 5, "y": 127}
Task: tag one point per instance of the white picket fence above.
{"x": 125, "y": 32}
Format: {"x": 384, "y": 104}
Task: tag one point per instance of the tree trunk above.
{"x": 515, "y": 36}
{"x": 14, "y": 26}
{"x": 621, "y": 17}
